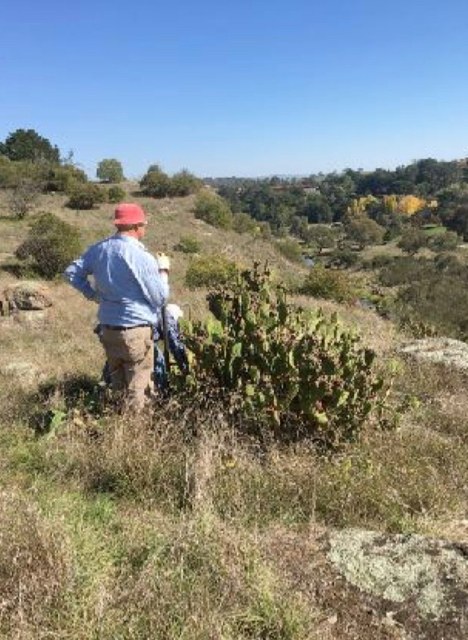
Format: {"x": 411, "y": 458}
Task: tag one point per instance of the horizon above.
{"x": 239, "y": 91}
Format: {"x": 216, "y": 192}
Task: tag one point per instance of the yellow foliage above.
{"x": 359, "y": 206}
{"x": 404, "y": 205}
{"x": 409, "y": 205}
{"x": 391, "y": 203}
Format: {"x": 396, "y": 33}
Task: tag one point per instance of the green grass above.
{"x": 435, "y": 231}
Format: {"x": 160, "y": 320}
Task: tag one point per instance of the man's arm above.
{"x": 77, "y": 275}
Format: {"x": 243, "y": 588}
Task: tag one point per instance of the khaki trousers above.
{"x": 130, "y": 355}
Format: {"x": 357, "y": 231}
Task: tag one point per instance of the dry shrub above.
{"x": 35, "y": 567}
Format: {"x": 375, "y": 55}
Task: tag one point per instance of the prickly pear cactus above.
{"x": 301, "y": 374}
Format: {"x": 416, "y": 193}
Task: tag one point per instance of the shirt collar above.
{"x": 129, "y": 239}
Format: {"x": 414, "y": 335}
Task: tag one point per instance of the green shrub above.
{"x": 12, "y": 173}
{"x": 188, "y": 244}
{"x": 155, "y": 183}
{"x": 447, "y": 241}
{"x": 412, "y": 240}
{"x": 50, "y": 245}
{"x": 290, "y": 249}
{"x": 210, "y": 271}
{"x": 213, "y": 209}
{"x": 8, "y": 173}
{"x": 297, "y": 375}
{"x": 183, "y": 183}
{"x": 116, "y": 194}
{"x": 63, "y": 178}
{"x": 344, "y": 258}
{"x": 86, "y": 196}
{"x": 379, "y": 261}
{"x": 243, "y": 223}
{"x": 404, "y": 270}
{"x": 330, "y": 284}
{"x": 264, "y": 230}
{"x": 438, "y": 301}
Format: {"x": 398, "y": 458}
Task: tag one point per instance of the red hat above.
{"x": 128, "y": 214}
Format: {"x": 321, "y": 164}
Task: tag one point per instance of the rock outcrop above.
{"x": 368, "y": 585}
{"x": 447, "y": 351}
{"x": 28, "y": 296}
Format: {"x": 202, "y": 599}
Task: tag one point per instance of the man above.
{"x": 131, "y": 288}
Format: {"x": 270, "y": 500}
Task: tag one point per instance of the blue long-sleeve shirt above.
{"x": 127, "y": 282}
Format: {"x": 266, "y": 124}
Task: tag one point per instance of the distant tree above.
{"x": 339, "y": 191}
{"x": 412, "y": 241}
{"x": 110, "y": 170}
{"x": 321, "y": 236}
{"x": 317, "y": 209}
{"x": 183, "y": 183}
{"x": 299, "y": 226}
{"x": 155, "y": 182}
{"x": 27, "y": 144}
{"x": 456, "y": 219}
{"x": 364, "y": 231}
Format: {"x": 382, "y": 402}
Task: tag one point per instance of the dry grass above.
{"x": 136, "y": 528}
{"x": 35, "y": 568}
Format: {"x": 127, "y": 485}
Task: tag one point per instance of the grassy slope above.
{"x": 132, "y": 530}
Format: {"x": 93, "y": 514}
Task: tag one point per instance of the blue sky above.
{"x": 240, "y": 88}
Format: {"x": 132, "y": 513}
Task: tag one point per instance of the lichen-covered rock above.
{"x": 29, "y": 296}
{"x": 446, "y": 351}
{"x": 422, "y": 573}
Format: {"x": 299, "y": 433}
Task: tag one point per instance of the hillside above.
{"x": 135, "y": 528}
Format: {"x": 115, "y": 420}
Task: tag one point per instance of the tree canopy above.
{"x": 27, "y": 144}
{"x": 110, "y": 170}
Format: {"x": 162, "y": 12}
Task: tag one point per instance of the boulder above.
{"x": 28, "y": 296}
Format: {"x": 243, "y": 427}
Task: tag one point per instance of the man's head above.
{"x": 130, "y": 219}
